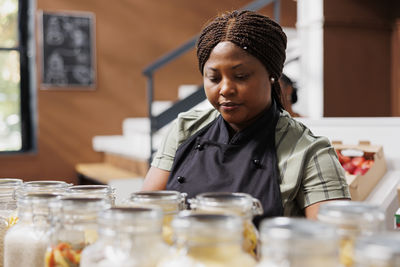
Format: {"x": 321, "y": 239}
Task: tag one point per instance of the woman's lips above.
{"x": 229, "y": 106}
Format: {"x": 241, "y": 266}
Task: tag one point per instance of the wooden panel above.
{"x": 357, "y": 58}
{"x": 130, "y": 34}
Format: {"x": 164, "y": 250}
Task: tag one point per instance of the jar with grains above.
{"x": 207, "y": 240}
{"x": 103, "y": 191}
{"x": 298, "y": 242}
{"x": 352, "y": 220}
{"x": 26, "y": 242}
{"x": 8, "y": 208}
{"x": 51, "y": 186}
{"x": 240, "y": 204}
{"x": 170, "y": 202}
{"x": 128, "y": 237}
{"x": 378, "y": 250}
{"x": 75, "y": 228}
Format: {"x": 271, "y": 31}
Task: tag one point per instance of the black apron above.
{"x": 209, "y": 162}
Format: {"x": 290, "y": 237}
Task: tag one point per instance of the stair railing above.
{"x": 159, "y": 121}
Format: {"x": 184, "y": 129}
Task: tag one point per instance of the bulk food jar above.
{"x": 8, "y": 208}
{"x": 75, "y": 228}
{"x": 297, "y": 242}
{"x": 240, "y": 204}
{"x": 97, "y": 191}
{"x": 170, "y": 202}
{"x": 54, "y": 187}
{"x": 352, "y": 219}
{"x": 128, "y": 237}
{"x": 378, "y": 250}
{"x": 26, "y": 242}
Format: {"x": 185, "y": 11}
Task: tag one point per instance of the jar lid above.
{"x": 282, "y": 233}
{"x": 240, "y": 202}
{"x": 351, "y": 213}
{"x": 379, "y": 247}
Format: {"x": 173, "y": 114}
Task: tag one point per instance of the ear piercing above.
{"x": 272, "y": 79}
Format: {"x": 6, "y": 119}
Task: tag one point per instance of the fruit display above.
{"x": 355, "y": 162}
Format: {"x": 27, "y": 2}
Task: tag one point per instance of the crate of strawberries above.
{"x": 364, "y": 165}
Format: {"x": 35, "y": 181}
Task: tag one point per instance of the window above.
{"x": 15, "y": 76}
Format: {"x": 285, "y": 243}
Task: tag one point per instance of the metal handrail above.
{"x": 157, "y": 122}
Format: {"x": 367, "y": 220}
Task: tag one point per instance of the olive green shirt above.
{"x": 309, "y": 168}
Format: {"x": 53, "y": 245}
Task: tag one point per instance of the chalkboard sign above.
{"x": 68, "y": 50}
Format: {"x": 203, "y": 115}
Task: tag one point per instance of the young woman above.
{"x": 248, "y": 142}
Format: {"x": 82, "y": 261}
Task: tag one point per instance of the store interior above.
{"x": 343, "y": 57}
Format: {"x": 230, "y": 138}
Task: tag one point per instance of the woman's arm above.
{"x": 156, "y": 179}
{"x": 311, "y": 211}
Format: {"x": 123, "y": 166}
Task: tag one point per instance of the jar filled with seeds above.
{"x": 241, "y": 204}
{"x": 26, "y": 242}
{"x": 298, "y": 242}
{"x": 207, "y": 240}
{"x": 170, "y": 202}
{"x": 128, "y": 237}
{"x": 352, "y": 219}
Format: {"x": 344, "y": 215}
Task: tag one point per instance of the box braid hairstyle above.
{"x": 255, "y": 33}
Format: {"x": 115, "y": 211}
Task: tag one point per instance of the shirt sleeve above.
{"x": 323, "y": 177}
{"x": 164, "y": 157}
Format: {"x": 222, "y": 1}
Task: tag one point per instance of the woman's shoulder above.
{"x": 189, "y": 122}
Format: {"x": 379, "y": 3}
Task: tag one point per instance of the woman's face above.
{"x": 237, "y": 84}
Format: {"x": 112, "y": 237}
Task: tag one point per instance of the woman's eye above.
{"x": 242, "y": 76}
{"x": 212, "y": 78}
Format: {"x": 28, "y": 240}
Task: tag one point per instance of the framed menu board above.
{"x": 68, "y": 50}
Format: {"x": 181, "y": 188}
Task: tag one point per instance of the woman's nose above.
{"x": 227, "y": 87}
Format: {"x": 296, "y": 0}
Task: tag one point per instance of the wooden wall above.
{"x": 130, "y": 34}
{"x": 359, "y": 48}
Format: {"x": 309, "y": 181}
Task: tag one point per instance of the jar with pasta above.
{"x": 170, "y": 202}
{"x": 128, "y": 237}
{"x": 75, "y": 229}
{"x": 207, "y": 240}
{"x": 26, "y": 242}
{"x": 97, "y": 191}
{"x": 352, "y": 219}
{"x": 8, "y": 208}
{"x": 298, "y": 242}
{"x": 241, "y": 204}
{"x": 378, "y": 250}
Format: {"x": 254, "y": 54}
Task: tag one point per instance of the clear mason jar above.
{"x": 26, "y": 242}
{"x": 207, "y": 240}
{"x": 241, "y": 204}
{"x": 103, "y": 191}
{"x": 50, "y": 186}
{"x": 75, "y": 228}
{"x": 352, "y": 219}
{"x": 378, "y": 250}
{"x": 170, "y": 202}
{"x": 128, "y": 237}
{"x": 297, "y": 242}
{"x": 8, "y": 208}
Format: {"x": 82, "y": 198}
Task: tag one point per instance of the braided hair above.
{"x": 255, "y": 33}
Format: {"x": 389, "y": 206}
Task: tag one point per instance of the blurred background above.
{"x": 342, "y": 55}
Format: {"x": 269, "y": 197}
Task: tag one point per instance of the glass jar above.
{"x": 241, "y": 204}
{"x": 8, "y": 208}
{"x": 128, "y": 237}
{"x": 378, "y": 250}
{"x": 352, "y": 220}
{"x": 298, "y": 242}
{"x": 207, "y": 240}
{"x": 171, "y": 202}
{"x": 53, "y": 187}
{"x": 75, "y": 228}
{"x": 26, "y": 242}
{"x": 102, "y": 191}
